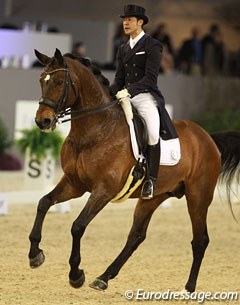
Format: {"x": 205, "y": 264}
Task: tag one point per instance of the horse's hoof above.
{"x": 37, "y": 261}
{"x": 99, "y": 285}
{"x": 78, "y": 282}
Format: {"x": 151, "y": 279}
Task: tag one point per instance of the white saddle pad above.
{"x": 170, "y": 149}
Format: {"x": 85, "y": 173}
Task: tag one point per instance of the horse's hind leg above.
{"x": 62, "y": 192}
{"x": 198, "y": 208}
{"x": 142, "y": 217}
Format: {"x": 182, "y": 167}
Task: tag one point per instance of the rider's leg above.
{"x": 153, "y": 157}
{"x": 147, "y": 107}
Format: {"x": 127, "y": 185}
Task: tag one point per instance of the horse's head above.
{"x": 58, "y": 91}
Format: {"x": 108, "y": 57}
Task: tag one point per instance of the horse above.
{"x": 96, "y": 157}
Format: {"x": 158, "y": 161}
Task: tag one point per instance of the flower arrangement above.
{"x": 39, "y": 143}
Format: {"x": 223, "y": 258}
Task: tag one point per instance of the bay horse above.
{"x": 96, "y": 157}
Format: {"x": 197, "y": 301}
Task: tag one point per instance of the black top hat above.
{"x": 135, "y": 11}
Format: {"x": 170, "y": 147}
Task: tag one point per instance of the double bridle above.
{"x": 61, "y": 109}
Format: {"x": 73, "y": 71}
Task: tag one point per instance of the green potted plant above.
{"x": 39, "y": 143}
{"x": 41, "y": 151}
{"x": 7, "y": 160}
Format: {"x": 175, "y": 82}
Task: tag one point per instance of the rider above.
{"x": 135, "y": 82}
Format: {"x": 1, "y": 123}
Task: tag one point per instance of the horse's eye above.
{"x": 59, "y": 82}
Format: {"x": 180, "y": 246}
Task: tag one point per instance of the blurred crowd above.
{"x": 200, "y": 54}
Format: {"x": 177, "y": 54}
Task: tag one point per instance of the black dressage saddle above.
{"x": 140, "y": 131}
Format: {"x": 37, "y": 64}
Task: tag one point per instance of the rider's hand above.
{"x": 122, "y": 94}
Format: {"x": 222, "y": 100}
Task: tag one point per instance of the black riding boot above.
{"x": 153, "y": 161}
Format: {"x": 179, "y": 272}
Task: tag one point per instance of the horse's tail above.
{"x": 228, "y": 143}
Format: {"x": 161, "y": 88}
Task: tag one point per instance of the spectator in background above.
{"x": 220, "y": 53}
{"x": 167, "y": 61}
{"x": 209, "y": 38}
{"x": 234, "y": 63}
{"x": 79, "y": 49}
{"x": 213, "y": 52}
{"x": 190, "y": 54}
{"x": 161, "y": 35}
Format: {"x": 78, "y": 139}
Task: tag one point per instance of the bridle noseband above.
{"x": 61, "y": 109}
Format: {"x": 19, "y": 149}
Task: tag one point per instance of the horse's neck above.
{"x": 94, "y": 127}
{"x": 91, "y": 92}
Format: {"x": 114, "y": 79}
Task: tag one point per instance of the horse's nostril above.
{"x": 46, "y": 122}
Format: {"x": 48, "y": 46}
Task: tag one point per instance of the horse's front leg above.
{"x": 62, "y": 192}
{"x": 96, "y": 202}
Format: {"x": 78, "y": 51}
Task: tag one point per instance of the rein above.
{"x": 60, "y": 107}
{"x": 85, "y": 112}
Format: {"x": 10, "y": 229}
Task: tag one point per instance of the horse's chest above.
{"x": 76, "y": 162}
{"x": 69, "y": 157}
{"x": 92, "y": 163}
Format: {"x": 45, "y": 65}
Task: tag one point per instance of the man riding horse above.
{"x": 97, "y": 155}
{"x": 135, "y": 83}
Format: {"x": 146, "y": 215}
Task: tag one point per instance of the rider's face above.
{"x": 132, "y": 26}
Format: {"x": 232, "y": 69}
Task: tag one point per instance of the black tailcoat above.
{"x": 137, "y": 70}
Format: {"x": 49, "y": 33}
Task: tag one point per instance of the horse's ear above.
{"x": 44, "y": 59}
{"x": 58, "y": 56}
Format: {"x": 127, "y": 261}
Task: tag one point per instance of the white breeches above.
{"x": 146, "y": 105}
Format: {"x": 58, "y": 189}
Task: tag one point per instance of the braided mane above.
{"x": 93, "y": 67}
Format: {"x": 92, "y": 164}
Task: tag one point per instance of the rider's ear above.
{"x": 43, "y": 59}
{"x": 58, "y": 56}
{"x": 140, "y": 22}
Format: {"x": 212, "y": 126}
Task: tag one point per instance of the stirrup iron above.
{"x": 147, "y": 189}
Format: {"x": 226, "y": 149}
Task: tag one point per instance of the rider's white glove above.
{"x": 124, "y": 97}
{"x": 122, "y": 93}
